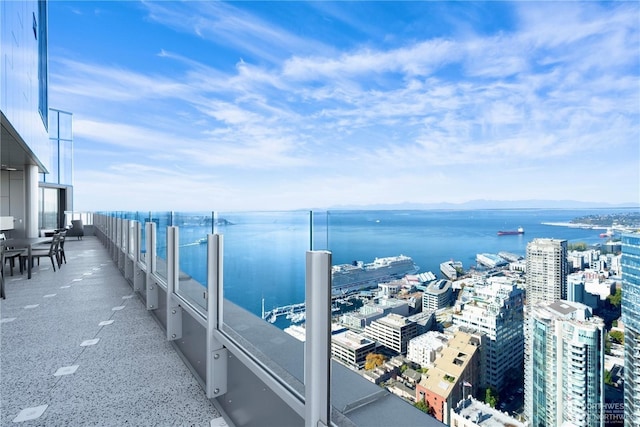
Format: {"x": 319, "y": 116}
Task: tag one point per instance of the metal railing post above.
{"x": 137, "y": 271}
{"x": 317, "y": 346}
{"x": 216, "y": 381}
{"x": 152, "y": 287}
{"x": 174, "y": 311}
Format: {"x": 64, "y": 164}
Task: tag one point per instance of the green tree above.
{"x": 580, "y": 247}
{"x": 607, "y": 344}
{"x": 608, "y": 378}
{"x": 403, "y": 368}
{"x": 617, "y": 337}
{"x": 424, "y": 407}
{"x": 491, "y": 397}
{"x": 616, "y": 298}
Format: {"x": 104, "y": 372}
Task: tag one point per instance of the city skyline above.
{"x": 268, "y": 106}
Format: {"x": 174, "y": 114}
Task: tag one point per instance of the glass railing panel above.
{"x": 193, "y": 230}
{"x": 319, "y": 230}
{"x": 264, "y": 260}
{"x": 354, "y": 236}
{"x": 162, "y": 220}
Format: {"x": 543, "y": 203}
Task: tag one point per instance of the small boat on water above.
{"x": 520, "y": 230}
{"x": 609, "y": 233}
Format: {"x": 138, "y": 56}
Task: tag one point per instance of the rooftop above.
{"x": 484, "y": 415}
{"x": 79, "y": 345}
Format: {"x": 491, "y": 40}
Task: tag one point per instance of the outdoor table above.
{"x": 27, "y": 243}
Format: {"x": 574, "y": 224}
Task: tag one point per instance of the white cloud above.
{"x": 368, "y": 120}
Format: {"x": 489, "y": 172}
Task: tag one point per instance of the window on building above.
{"x": 40, "y": 31}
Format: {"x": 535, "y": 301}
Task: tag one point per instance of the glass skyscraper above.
{"x": 564, "y": 366}
{"x": 631, "y": 320}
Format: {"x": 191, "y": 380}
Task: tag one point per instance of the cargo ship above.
{"x": 520, "y": 230}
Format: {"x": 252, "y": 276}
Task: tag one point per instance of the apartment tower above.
{"x": 547, "y": 269}
{"x": 631, "y": 320}
{"x": 495, "y": 308}
{"x": 564, "y": 366}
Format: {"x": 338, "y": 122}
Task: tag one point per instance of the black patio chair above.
{"x": 61, "y": 256}
{"x": 11, "y": 255}
{"x": 51, "y": 253}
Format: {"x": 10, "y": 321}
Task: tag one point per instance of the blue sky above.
{"x": 288, "y": 105}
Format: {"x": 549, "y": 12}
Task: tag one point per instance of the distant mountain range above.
{"x": 492, "y": 204}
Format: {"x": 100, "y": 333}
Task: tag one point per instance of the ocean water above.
{"x": 264, "y": 253}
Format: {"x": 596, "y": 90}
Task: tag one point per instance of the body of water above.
{"x": 265, "y": 252}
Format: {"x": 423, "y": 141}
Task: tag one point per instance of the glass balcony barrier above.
{"x": 223, "y": 285}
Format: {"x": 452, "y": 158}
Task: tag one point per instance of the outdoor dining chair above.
{"x": 51, "y": 253}
{"x": 61, "y": 256}
{"x": 11, "y": 255}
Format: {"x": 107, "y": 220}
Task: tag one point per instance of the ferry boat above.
{"x": 520, "y": 230}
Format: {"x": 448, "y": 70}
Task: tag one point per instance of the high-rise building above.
{"x": 495, "y": 308}
{"x": 564, "y": 365}
{"x": 36, "y": 171}
{"x": 631, "y": 319}
{"x": 547, "y": 269}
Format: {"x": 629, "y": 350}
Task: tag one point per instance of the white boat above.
{"x": 353, "y": 277}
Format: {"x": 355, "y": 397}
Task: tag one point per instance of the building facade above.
{"x": 454, "y": 375}
{"x": 351, "y": 349}
{"x": 564, "y": 365}
{"x": 437, "y": 295}
{"x": 393, "y": 332}
{"x": 423, "y": 348}
{"x": 30, "y": 199}
{"x": 495, "y": 308}
{"x": 631, "y": 318}
{"x": 547, "y": 269}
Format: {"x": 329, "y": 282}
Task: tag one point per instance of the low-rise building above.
{"x": 473, "y": 413}
{"x": 453, "y": 375}
{"x": 374, "y": 310}
{"x": 437, "y": 295}
{"x": 351, "y": 348}
{"x": 424, "y": 348}
{"x": 393, "y": 332}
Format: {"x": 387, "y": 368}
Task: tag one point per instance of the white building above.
{"x": 495, "y": 308}
{"x": 392, "y": 331}
{"x": 351, "y": 348}
{"x": 424, "y": 348}
{"x": 437, "y": 295}
{"x": 547, "y": 270}
{"x": 473, "y": 413}
{"x": 377, "y": 309}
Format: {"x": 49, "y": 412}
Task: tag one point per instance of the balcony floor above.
{"x": 132, "y": 375}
